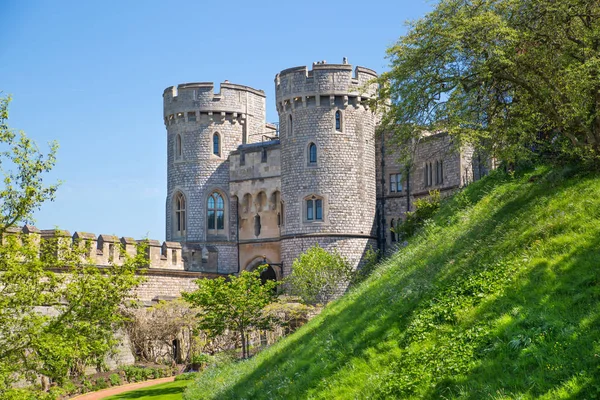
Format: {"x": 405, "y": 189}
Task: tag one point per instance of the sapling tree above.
{"x": 234, "y": 304}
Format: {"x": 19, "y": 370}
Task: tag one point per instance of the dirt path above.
{"x": 120, "y": 389}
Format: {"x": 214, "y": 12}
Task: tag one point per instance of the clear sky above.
{"x": 90, "y": 74}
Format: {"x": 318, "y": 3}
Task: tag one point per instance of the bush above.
{"x": 86, "y": 385}
{"x": 188, "y": 376}
{"x": 69, "y": 387}
{"x": 100, "y": 384}
{"x": 115, "y": 380}
{"x": 425, "y": 209}
{"x": 317, "y": 275}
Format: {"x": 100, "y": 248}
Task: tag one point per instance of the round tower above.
{"x": 327, "y": 134}
{"x": 203, "y": 127}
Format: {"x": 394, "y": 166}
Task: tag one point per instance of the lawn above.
{"x": 164, "y": 391}
{"x": 497, "y": 297}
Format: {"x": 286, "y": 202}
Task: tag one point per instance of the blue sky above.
{"x": 90, "y": 74}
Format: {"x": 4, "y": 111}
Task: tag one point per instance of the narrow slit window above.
{"x": 178, "y": 149}
{"x": 217, "y": 144}
{"x": 338, "y": 121}
{"x": 312, "y": 153}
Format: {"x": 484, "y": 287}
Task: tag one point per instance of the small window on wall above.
{"x": 192, "y": 116}
{"x": 290, "y": 126}
{"x": 263, "y": 157}
{"x": 217, "y": 144}
{"x": 179, "y": 223}
{"x": 392, "y": 231}
{"x": 178, "y": 149}
{"x": 439, "y": 172}
{"x": 396, "y": 183}
{"x": 314, "y": 209}
{"x": 338, "y": 121}
{"x": 312, "y": 154}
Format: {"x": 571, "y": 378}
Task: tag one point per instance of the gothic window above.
{"x": 215, "y": 213}
{"x": 338, "y": 121}
{"x": 312, "y": 154}
{"x": 314, "y": 209}
{"x": 178, "y": 149}
{"x": 217, "y": 144}
{"x": 179, "y": 223}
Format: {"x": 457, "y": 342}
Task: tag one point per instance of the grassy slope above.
{"x": 497, "y": 298}
{"x": 164, "y": 391}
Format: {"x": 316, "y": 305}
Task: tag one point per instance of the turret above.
{"x": 203, "y": 127}
{"x": 327, "y": 141}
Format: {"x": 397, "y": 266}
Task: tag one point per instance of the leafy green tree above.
{"x": 58, "y": 311}
{"x": 234, "y": 304}
{"x": 317, "y": 275}
{"x": 508, "y": 75}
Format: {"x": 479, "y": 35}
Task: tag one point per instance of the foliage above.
{"x": 22, "y": 166}
{"x": 425, "y": 209}
{"x": 318, "y": 275}
{"x": 58, "y": 312}
{"x": 100, "y": 384}
{"x": 289, "y": 313}
{"x": 495, "y": 299}
{"x": 152, "y": 330}
{"x": 371, "y": 261}
{"x": 235, "y": 304}
{"x": 188, "y": 376}
{"x": 115, "y": 380}
{"x": 510, "y": 75}
{"x": 135, "y": 373}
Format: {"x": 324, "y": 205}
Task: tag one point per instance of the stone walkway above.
{"x": 120, "y": 389}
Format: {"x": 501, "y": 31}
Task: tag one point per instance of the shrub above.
{"x": 425, "y": 209}
{"x": 100, "y": 384}
{"x": 115, "y": 380}
{"x": 318, "y": 275}
{"x": 188, "y": 376}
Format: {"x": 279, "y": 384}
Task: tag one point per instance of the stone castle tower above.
{"x": 203, "y": 128}
{"x": 328, "y": 160}
{"x": 241, "y": 194}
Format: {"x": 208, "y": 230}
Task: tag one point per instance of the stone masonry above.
{"x": 323, "y": 177}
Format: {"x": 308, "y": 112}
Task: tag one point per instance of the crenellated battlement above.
{"x": 299, "y": 86}
{"x": 105, "y": 250}
{"x": 189, "y": 102}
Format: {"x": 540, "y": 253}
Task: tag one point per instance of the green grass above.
{"x": 496, "y": 298}
{"x": 164, "y": 391}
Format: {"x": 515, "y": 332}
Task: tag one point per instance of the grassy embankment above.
{"x": 498, "y": 298}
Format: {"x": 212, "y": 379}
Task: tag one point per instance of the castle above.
{"x": 241, "y": 193}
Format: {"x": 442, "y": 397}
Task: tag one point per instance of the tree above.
{"x": 507, "y": 75}
{"x": 234, "y": 304}
{"x": 317, "y": 275}
{"x": 22, "y": 166}
{"x": 58, "y": 311}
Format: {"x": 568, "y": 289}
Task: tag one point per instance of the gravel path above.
{"x": 120, "y": 389}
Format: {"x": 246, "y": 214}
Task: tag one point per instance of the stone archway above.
{"x": 267, "y": 274}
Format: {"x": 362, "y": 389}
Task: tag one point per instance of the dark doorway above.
{"x": 268, "y": 275}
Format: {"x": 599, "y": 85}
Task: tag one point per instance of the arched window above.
{"x": 178, "y": 150}
{"x": 215, "y": 213}
{"x": 217, "y": 144}
{"x": 312, "y": 153}
{"x": 179, "y": 223}
{"x": 314, "y": 208}
{"x": 290, "y": 126}
{"x": 338, "y": 121}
